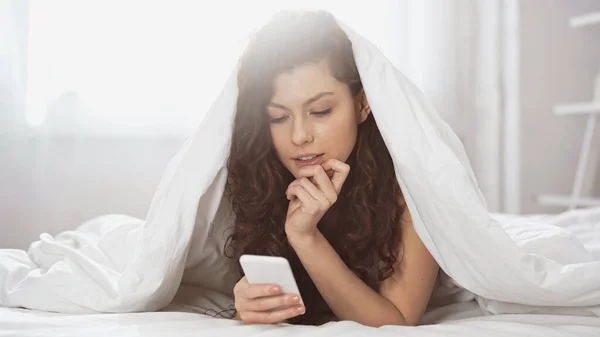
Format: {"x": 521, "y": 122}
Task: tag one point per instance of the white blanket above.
{"x": 120, "y": 264}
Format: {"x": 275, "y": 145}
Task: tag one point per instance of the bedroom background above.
{"x": 96, "y": 97}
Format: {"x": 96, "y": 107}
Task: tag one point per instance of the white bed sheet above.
{"x": 459, "y": 319}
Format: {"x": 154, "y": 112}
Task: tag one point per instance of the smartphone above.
{"x": 270, "y": 270}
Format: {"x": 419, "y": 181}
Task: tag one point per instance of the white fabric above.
{"x": 120, "y": 264}
{"x": 456, "y": 320}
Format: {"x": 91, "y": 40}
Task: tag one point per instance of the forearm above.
{"x": 346, "y": 294}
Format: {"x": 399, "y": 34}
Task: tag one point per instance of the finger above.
{"x": 261, "y": 317}
{"x": 240, "y": 287}
{"x": 323, "y": 181}
{"x": 316, "y": 193}
{"x": 290, "y": 186}
{"x": 309, "y": 204}
{"x": 308, "y": 171}
{"x": 269, "y": 303}
{"x": 340, "y": 174}
{"x": 261, "y": 290}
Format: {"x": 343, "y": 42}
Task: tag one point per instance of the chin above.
{"x": 293, "y": 171}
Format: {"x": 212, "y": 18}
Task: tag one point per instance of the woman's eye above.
{"x": 322, "y": 112}
{"x": 278, "y": 120}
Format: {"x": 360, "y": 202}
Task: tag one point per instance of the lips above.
{"x": 308, "y": 159}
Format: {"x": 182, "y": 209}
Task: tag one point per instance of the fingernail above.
{"x": 300, "y": 309}
{"x": 295, "y": 298}
{"x": 274, "y": 290}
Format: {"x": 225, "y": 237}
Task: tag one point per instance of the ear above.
{"x": 363, "y": 109}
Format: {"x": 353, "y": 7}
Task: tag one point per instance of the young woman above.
{"x": 311, "y": 180}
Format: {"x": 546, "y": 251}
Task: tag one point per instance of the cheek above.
{"x": 279, "y": 137}
{"x": 339, "y": 133}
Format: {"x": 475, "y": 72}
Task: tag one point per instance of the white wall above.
{"x": 55, "y": 184}
{"x": 558, "y": 65}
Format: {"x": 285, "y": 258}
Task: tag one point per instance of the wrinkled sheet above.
{"x": 462, "y": 320}
{"x": 116, "y": 263}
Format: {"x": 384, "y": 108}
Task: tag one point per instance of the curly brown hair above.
{"x": 363, "y": 225}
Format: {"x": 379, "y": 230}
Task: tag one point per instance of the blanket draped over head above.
{"x": 117, "y": 263}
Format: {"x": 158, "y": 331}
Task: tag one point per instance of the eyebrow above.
{"x": 307, "y": 102}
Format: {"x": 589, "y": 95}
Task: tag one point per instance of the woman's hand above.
{"x": 311, "y": 195}
{"x": 255, "y": 303}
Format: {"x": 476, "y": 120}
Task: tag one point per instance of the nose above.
{"x": 301, "y": 134}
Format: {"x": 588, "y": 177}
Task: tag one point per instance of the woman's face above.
{"x": 314, "y": 117}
